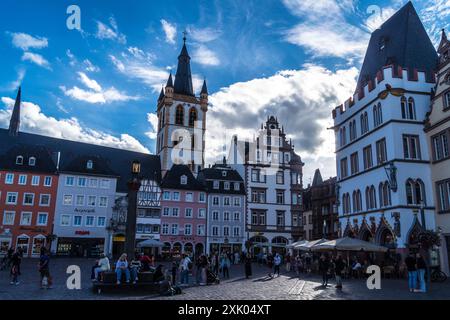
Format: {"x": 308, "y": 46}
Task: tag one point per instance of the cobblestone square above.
{"x": 260, "y": 287}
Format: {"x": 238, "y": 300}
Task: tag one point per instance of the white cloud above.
{"x": 25, "y": 41}
{"x": 376, "y": 19}
{"x": 16, "y": 83}
{"x": 96, "y": 94}
{"x": 91, "y": 84}
{"x": 72, "y": 59}
{"x": 301, "y": 99}
{"x": 205, "y": 56}
{"x": 33, "y": 120}
{"x": 324, "y": 30}
{"x": 110, "y": 32}
{"x": 36, "y": 59}
{"x": 89, "y": 67}
{"x": 170, "y": 31}
{"x": 204, "y": 35}
{"x": 152, "y": 119}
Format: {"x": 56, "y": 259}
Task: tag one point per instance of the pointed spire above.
{"x": 170, "y": 81}
{"x": 183, "y": 77}
{"x": 317, "y": 180}
{"x": 14, "y": 124}
{"x": 161, "y": 95}
{"x": 444, "y": 42}
{"x": 204, "y": 88}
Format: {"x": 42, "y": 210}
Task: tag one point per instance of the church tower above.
{"x": 14, "y": 123}
{"x": 182, "y": 119}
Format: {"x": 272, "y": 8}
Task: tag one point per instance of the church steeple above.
{"x": 183, "y": 77}
{"x": 14, "y": 124}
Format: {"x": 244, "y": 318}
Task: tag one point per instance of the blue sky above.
{"x": 295, "y": 59}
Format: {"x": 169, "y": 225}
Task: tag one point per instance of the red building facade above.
{"x": 28, "y": 187}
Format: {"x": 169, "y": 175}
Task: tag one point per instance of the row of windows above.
{"x": 23, "y": 178}
{"x": 147, "y": 228}
{"x": 273, "y": 157}
{"x": 226, "y": 216}
{"x": 367, "y": 159}
{"x": 179, "y": 116}
{"x": 174, "y": 230}
{"x": 26, "y": 218}
{"x": 407, "y": 109}
{"x": 226, "y": 201}
{"x": 259, "y": 196}
{"x": 67, "y": 220}
{"x": 415, "y": 195}
{"x": 12, "y": 198}
{"x": 189, "y": 196}
{"x": 83, "y": 182}
{"x": 259, "y": 218}
{"x": 188, "y": 212}
{"x": 226, "y": 185}
{"x": 215, "y": 231}
{"x": 81, "y": 200}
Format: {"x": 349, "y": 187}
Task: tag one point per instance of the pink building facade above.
{"x": 183, "y": 213}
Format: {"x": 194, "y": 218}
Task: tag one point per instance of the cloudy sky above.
{"x": 295, "y": 59}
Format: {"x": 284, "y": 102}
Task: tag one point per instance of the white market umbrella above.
{"x": 349, "y": 244}
{"x": 293, "y": 245}
{"x": 309, "y": 245}
{"x": 150, "y": 243}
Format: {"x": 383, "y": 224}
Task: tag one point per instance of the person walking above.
{"x": 339, "y": 266}
{"x": 174, "y": 272}
{"x": 308, "y": 263}
{"x": 324, "y": 266}
{"x": 15, "y": 267}
{"x": 44, "y": 270}
{"x": 185, "y": 265}
{"x": 277, "y": 263}
{"x": 225, "y": 264}
{"x": 421, "y": 270}
{"x": 122, "y": 268}
{"x": 203, "y": 270}
{"x": 215, "y": 263}
{"x": 248, "y": 266}
{"x": 270, "y": 264}
{"x": 410, "y": 262}
{"x": 288, "y": 262}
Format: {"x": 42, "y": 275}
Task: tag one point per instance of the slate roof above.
{"x": 172, "y": 179}
{"x": 183, "y": 77}
{"x": 78, "y": 165}
{"x": 406, "y": 44}
{"x": 119, "y": 161}
{"x": 317, "y": 180}
{"x": 215, "y": 173}
{"x": 44, "y": 161}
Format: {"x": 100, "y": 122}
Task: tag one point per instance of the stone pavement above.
{"x": 259, "y": 287}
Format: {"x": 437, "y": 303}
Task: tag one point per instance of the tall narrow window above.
{"x": 381, "y": 151}
{"x": 404, "y": 110}
{"x": 411, "y": 109}
{"x": 179, "y": 116}
{"x": 192, "y": 117}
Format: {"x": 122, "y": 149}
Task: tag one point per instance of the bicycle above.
{"x": 438, "y": 276}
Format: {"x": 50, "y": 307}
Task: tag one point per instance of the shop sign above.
{"x": 84, "y": 210}
{"x": 82, "y": 233}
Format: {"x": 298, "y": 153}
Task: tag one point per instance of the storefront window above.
{"x": 38, "y": 243}
{"x": 22, "y": 242}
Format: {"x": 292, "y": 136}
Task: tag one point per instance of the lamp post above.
{"x": 134, "y": 185}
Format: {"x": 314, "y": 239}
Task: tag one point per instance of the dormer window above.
{"x": 90, "y": 165}
{"x": 19, "y": 160}
{"x": 32, "y": 161}
{"x": 216, "y": 184}
{"x": 183, "y": 180}
{"x": 224, "y": 173}
{"x": 226, "y": 185}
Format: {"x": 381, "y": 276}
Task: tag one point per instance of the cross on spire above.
{"x": 184, "y": 36}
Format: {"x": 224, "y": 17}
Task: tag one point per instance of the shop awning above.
{"x": 349, "y": 244}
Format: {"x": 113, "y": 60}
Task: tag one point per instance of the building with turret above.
{"x": 182, "y": 119}
{"x": 382, "y": 158}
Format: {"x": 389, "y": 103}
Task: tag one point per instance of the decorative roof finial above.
{"x": 184, "y": 36}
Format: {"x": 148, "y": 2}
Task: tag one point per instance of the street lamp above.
{"x": 134, "y": 184}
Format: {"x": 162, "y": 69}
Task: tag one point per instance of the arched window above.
{"x": 411, "y": 109}
{"x": 384, "y": 194}
{"x": 371, "y": 201}
{"x": 163, "y": 121}
{"x": 19, "y": 160}
{"x": 32, "y": 161}
{"x": 364, "y": 123}
{"x": 403, "y": 104}
{"x": 179, "y": 116}
{"x": 415, "y": 192}
{"x": 192, "y": 117}
{"x": 357, "y": 201}
{"x": 352, "y": 128}
{"x": 346, "y": 203}
{"x": 377, "y": 115}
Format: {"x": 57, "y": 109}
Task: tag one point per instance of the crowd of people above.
{"x": 206, "y": 269}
